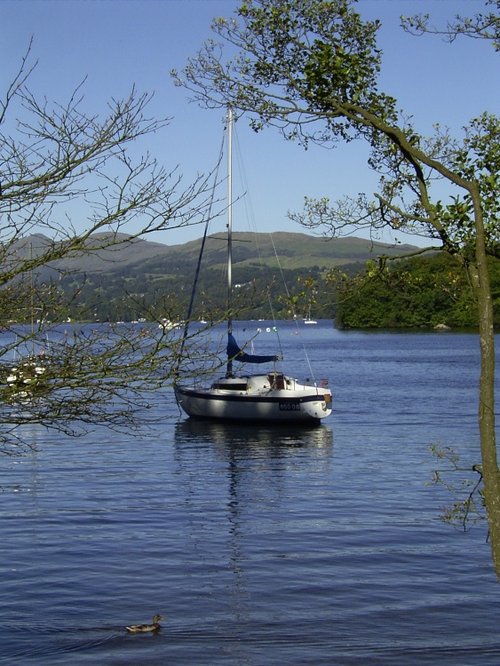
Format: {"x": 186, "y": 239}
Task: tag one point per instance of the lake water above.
{"x": 260, "y": 545}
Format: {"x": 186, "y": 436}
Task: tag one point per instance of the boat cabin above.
{"x": 231, "y": 384}
{"x": 273, "y": 381}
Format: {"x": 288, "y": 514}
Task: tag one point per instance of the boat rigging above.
{"x": 267, "y": 397}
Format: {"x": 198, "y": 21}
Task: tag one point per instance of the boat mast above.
{"x": 229, "y": 370}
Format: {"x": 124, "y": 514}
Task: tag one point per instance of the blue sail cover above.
{"x": 237, "y": 354}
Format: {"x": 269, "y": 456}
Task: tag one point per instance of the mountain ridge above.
{"x": 294, "y": 250}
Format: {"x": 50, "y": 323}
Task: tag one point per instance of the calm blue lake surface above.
{"x": 260, "y": 545}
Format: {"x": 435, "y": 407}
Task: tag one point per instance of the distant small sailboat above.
{"x": 270, "y": 396}
{"x": 308, "y": 320}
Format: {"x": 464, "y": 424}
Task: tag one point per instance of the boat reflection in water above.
{"x": 254, "y": 464}
{"x": 252, "y": 475}
{"x": 274, "y": 439}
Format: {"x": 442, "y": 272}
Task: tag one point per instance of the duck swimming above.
{"x": 144, "y": 628}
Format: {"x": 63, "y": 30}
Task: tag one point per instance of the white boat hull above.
{"x": 257, "y": 398}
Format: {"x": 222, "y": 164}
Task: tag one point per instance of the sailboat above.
{"x": 308, "y": 320}
{"x": 270, "y": 396}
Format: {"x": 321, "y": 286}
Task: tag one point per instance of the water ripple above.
{"x": 260, "y": 546}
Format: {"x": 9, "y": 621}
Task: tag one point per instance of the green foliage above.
{"x": 292, "y": 57}
{"x": 422, "y": 292}
{"x": 259, "y": 291}
{"x": 475, "y": 159}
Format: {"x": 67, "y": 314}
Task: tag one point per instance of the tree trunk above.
{"x": 491, "y": 473}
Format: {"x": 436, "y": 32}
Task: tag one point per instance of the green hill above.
{"x": 297, "y": 273}
{"x": 138, "y": 278}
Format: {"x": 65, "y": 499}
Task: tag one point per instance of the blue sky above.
{"x": 118, "y": 43}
